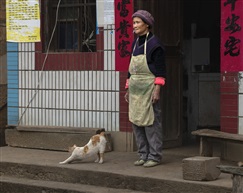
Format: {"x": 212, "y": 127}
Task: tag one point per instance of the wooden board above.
{"x": 218, "y": 134}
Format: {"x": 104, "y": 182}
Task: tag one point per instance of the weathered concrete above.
{"x": 52, "y": 139}
{"x": 20, "y": 185}
{"x": 237, "y": 176}
{"x": 3, "y": 112}
{"x": 232, "y": 151}
{"x": 200, "y": 168}
{"x": 60, "y": 138}
{"x": 3, "y": 123}
{"x": 117, "y": 171}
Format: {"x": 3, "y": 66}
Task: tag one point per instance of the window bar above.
{"x": 106, "y": 81}
{"x": 62, "y": 81}
{"x": 72, "y": 26}
{"x": 66, "y": 29}
{"x": 110, "y": 79}
{"x": 33, "y": 80}
{"x": 72, "y": 102}
{"x": 25, "y": 67}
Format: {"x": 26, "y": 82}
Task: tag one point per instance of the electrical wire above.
{"x": 43, "y": 65}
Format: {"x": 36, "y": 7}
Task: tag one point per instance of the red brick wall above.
{"x": 125, "y": 125}
{"x": 229, "y": 102}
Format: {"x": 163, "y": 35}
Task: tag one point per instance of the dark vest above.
{"x": 152, "y": 44}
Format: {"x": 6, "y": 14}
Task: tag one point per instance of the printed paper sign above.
{"x": 23, "y": 20}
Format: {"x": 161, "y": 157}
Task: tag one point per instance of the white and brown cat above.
{"x": 240, "y": 164}
{"x": 95, "y": 146}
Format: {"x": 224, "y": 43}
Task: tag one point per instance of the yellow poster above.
{"x": 23, "y": 20}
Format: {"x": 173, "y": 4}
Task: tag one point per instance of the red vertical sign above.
{"x": 231, "y": 35}
{"x": 124, "y": 33}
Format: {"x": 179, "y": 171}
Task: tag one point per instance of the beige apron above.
{"x": 141, "y": 86}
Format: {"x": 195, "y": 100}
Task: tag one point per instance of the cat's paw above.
{"x": 97, "y": 160}
{"x": 61, "y": 162}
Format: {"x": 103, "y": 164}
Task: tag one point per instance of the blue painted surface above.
{"x": 13, "y": 77}
{"x": 12, "y": 74}
{"x": 13, "y": 115}
{"x": 12, "y": 47}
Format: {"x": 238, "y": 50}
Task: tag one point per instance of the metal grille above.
{"x": 69, "y": 98}
{"x": 75, "y": 25}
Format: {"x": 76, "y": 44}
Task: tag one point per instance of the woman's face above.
{"x": 140, "y": 28}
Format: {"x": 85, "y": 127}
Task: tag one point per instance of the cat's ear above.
{"x": 102, "y": 130}
{"x": 99, "y": 131}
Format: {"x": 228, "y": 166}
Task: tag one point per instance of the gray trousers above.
{"x": 149, "y": 138}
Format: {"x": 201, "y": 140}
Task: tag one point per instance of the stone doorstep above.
{"x": 55, "y": 139}
{"x": 200, "y": 168}
{"x": 18, "y": 185}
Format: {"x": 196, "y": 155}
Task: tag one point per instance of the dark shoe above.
{"x": 139, "y": 162}
{"x": 151, "y": 163}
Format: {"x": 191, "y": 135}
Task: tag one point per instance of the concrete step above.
{"x": 51, "y": 138}
{"x": 22, "y": 185}
{"x": 116, "y": 172}
{"x": 67, "y": 175}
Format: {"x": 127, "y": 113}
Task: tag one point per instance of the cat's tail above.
{"x": 71, "y": 149}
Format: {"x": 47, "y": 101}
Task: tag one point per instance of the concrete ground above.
{"x": 117, "y": 163}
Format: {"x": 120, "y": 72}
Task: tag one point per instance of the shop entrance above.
{"x": 190, "y": 31}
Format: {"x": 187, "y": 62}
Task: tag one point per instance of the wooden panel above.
{"x": 171, "y": 101}
{"x": 218, "y": 134}
{"x": 167, "y": 17}
{"x": 168, "y": 28}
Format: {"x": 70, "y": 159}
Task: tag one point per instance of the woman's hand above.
{"x": 156, "y": 94}
{"x": 127, "y": 97}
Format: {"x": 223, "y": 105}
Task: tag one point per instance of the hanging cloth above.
{"x": 141, "y": 87}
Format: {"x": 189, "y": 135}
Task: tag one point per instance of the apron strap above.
{"x": 145, "y": 44}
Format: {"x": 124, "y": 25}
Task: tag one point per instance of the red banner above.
{"x": 123, "y": 33}
{"x": 231, "y": 35}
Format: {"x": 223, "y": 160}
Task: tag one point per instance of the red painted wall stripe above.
{"x": 72, "y": 60}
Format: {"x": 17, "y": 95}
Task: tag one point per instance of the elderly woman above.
{"x": 145, "y": 78}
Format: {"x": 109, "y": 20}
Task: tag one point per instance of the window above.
{"x": 75, "y": 28}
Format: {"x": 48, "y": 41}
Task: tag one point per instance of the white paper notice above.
{"x": 23, "y": 20}
{"x": 109, "y": 12}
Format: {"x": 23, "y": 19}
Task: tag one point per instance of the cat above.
{"x": 240, "y": 164}
{"x": 95, "y": 146}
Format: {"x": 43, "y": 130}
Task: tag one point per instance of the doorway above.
{"x": 190, "y": 31}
